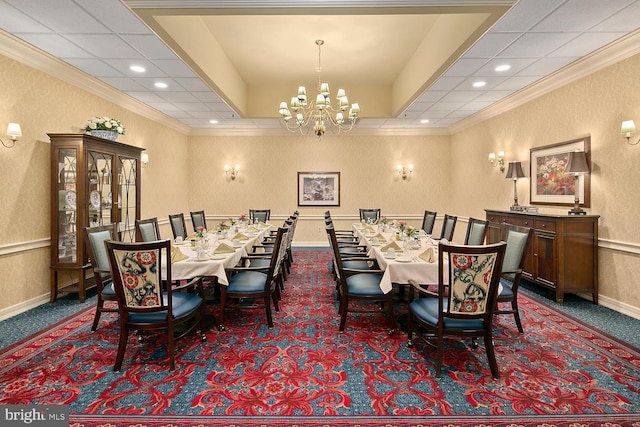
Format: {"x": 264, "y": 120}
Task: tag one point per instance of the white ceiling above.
{"x": 104, "y": 38}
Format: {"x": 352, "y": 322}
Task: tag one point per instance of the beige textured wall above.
{"x": 269, "y": 167}
{"x": 595, "y": 106}
{"x": 42, "y": 104}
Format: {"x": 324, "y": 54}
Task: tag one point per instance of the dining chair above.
{"x": 448, "y": 227}
{"x": 198, "y": 220}
{"x": 144, "y": 302}
{"x": 147, "y": 230}
{"x": 359, "y": 287}
{"x": 252, "y": 287}
{"x": 259, "y": 215}
{"x": 464, "y": 302}
{"x": 178, "y": 226}
{"x": 518, "y": 241}
{"x": 94, "y": 238}
{"x": 476, "y": 231}
{"x": 429, "y": 221}
{"x": 369, "y": 215}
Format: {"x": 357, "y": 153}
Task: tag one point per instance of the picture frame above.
{"x": 318, "y": 188}
{"x": 549, "y": 185}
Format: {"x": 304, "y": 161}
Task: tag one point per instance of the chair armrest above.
{"x": 195, "y": 283}
{"x": 416, "y": 287}
{"x": 352, "y": 271}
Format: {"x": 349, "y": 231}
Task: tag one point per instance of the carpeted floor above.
{"x": 560, "y": 372}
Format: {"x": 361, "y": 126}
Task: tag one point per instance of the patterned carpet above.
{"x": 304, "y": 372}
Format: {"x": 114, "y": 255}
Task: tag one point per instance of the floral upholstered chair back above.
{"x": 139, "y": 273}
{"x": 473, "y": 280}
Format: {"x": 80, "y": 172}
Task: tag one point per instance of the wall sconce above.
{"x": 14, "y": 132}
{"x": 514, "y": 172}
{"x": 404, "y": 172}
{"x": 232, "y": 173}
{"x": 628, "y": 129}
{"x": 144, "y": 158}
{"x": 497, "y": 160}
{"x": 577, "y": 165}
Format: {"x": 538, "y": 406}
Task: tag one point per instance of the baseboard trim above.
{"x": 20, "y": 308}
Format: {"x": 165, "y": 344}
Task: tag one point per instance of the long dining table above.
{"x": 420, "y": 264}
{"x": 214, "y": 264}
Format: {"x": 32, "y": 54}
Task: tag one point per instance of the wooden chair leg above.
{"x": 516, "y": 315}
{"x": 122, "y": 346}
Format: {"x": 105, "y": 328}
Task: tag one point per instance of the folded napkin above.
{"x": 369, "y": 228}
{"x": 429, "y": 255}
{"x": 252, "y": 229}
{"x": 392, "y": 245}
{"x": 380, "y": 237}
{"x": 224, "y": 249}
{"x": 177, "y": 255}
{"x": 239, "y": 236}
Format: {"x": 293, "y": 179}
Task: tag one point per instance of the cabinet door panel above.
{"x": 544, "y": 258}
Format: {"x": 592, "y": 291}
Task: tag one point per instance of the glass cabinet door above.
{"x": 99, "y": 201}
{"x": 67, "y": 209}
{"x": 127, "y": 197}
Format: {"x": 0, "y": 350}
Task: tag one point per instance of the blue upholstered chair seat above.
{"x": 364, "y": 284}
{"x": 183, "y": 304}
{"x": 506, "y": 290}
{"x": 247, "y": 281}
{"x": 108, "y": 290}
{"x": 357, "y": 265}
{"x": 426, "y": 309}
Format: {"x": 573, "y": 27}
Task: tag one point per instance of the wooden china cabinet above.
{"x": 94, "y": 181}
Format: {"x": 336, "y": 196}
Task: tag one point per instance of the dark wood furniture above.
{"x": 94, "y": 182}
{"x": 563, "y": 254}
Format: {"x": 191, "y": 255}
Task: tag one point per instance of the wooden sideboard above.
{"x": 563, "y": 255}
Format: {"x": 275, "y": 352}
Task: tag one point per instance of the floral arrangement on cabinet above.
{"x": 104, "y": 123}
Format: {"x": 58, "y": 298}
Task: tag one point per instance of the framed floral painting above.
{"x": 550, "y": 185}
{"x": 318, "y": 188}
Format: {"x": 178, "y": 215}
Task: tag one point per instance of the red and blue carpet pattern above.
{"x": 303, "y": 372}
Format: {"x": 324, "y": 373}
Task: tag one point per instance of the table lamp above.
{"x": 514, "y": 172}
{"x": 577, "y": 165}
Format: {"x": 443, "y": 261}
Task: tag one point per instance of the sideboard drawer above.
{"x": 521, "y": 222}
{"x": 545, "y": 225}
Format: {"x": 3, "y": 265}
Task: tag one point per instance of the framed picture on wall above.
{"x": 550, "y": 185}
{"x": 318, "y": 188}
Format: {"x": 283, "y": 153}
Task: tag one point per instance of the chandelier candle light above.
{"x": 319, "y": 113}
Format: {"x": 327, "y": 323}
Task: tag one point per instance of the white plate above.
{"x": 94, "y": 197}
{"x": 401, "y": 259}
{"x": 389, "y": 257}
{"x": 219, "y": 256}
{"x": 201, "y": 260}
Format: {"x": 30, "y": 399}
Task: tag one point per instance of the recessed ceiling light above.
{"x": 137, "y": 68}
{"x": 213, "y": 122}
{"x": 161, "y": 85}
{"x": 424, "y": 121}
{"x": 503, "y": 67}
{"x": 479, "y": 84}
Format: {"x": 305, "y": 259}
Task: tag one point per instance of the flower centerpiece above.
{"x": 104, "y": 127}
{"x": 242, "y": 218}
{"x": 402, "y": 226}
{"x": 383, "y": 220}
{"x": 223, "y": 226}
{"x": 411, "y": 232}
{"x": 200, "y": 232}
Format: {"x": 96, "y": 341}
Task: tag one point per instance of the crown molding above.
{"x": 17, "y": 49}
{"x": 284, "y": 132}
{"x": 613, "y": 53}
{"x": 244, "y": 4}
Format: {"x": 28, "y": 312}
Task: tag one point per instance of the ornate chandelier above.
{"x": 319, "y": 114}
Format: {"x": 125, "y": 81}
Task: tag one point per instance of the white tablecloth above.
{"x": 400, "y": 272}
{"x": 216, "y": 264}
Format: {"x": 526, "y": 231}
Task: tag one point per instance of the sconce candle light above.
{"x": 404, "y": 172}
{"x": 232, "y": 172}
{"x": 144, "y": 158}
{"x": 14, "y": 133}
{"x": 577, "y": 165}
{"x": 627, "y": 129}
{"x": 497, "y": 160}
